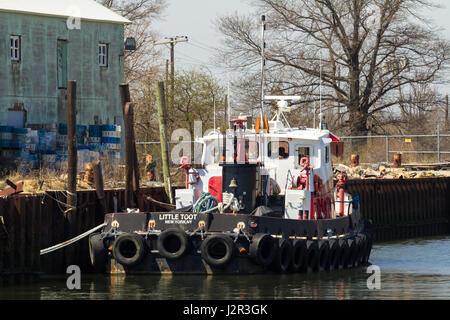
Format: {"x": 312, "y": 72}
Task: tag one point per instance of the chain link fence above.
{"x": 415, "y": 149}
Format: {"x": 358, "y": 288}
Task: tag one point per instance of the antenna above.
{"x": 320, "y": 93}
{"x": 228, "y": 102}
{"x": 283, "y": 105}
{"x": 263, "y": 62}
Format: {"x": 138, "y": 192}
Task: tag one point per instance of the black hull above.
{"x": 327, "y": 244}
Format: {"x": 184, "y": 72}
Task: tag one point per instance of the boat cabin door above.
{"x": 302, "y": 150}
{"x": 280, "y": 155}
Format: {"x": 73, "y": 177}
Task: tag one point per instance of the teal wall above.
{"x": 34, "y": 80}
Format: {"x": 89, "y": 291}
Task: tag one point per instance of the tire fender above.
{"x": 129, "y": 249}
{"x": 312, "y": 256}
{"x": 218, "y": 250}
{"x": 173, "y": 243}
{"x": 324, "y": 254}
{"x": 298, "y": 255}
{"x": 283, "y": 257}
{"x": 97, "y": 252}
{"x": 263, "y": 249}
{"x": 334, "y": 253}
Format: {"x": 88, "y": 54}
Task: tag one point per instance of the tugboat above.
{"x": 262, "y": 200}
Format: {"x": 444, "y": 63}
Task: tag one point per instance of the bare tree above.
{"x": 370, "y": 53}
{"x": 140, "y": 63}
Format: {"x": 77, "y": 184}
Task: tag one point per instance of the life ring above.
{"x": 263, "y": 249}
{"x": 344, "y": 253}
{"x": 304, "y": 162}
{"x": 352, "y": 261}
{"x": 128, "y": 249}
{"x": 334, "y": 254}
{"x": 312, "y": 256}
{"x": 298, "y": 255}
{"x": 97, "y": 252}
{"x": 324, "y": 254}
{"x": 217, "y": 250}
{"x": 283, "y": 257}
{"x": 173, "y": 243}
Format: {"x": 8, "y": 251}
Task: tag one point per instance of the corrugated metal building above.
{"x": 47, "y": 42}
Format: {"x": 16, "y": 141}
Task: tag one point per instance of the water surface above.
{"x": 412, "y": 269}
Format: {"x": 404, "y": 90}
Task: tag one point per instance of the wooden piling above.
{"x": 126, "y": 98}
{"x": 161, "y": 102}
{"x": 130, "y": 200}
{"x": 99, "y": 187}
{"x": 71, "y": 114}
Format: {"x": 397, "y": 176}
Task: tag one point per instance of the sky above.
{"x": 195, "y": 19}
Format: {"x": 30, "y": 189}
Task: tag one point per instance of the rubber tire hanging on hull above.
{"x": 263, "y": 249}
{"x": 324, "y": 254}
{"x": 353, "y": 247}
{"x": 366, "y": 256}
{"x": 97, "y": 252}
{"x": 173, "y": 243}
{"x": 344, "y": 253}
{"x": 129, "y": 249}
{"x": 298, "y": 255}
{"x": 334, "y": 254}
{"x": 283, "y": 256}
{"x": 361, "y": 241}
{"x": 312, "y": 256}
{"x": 217, "y": 250}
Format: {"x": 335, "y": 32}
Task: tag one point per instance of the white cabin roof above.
{"x": 86, "y": 9}
{"x": 307, "y": 134}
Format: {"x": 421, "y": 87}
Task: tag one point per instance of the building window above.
{"x": 327, "y": 154}
{"x": 278, "y": 150}
{"x": 62, "y": 64}
{"x": 15, "y": 48}
{"x": 103, "y": 55}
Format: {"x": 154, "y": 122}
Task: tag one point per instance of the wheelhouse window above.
{"x": 15, "y": 48}
{"x": 303, "y": 152}
{"x": 251, "y": 150}
{"x": 327, "y": 154}
{"x": 213, "y": 151}
{"x": 103, "y": 55}
{"x": 279, "y": 150}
